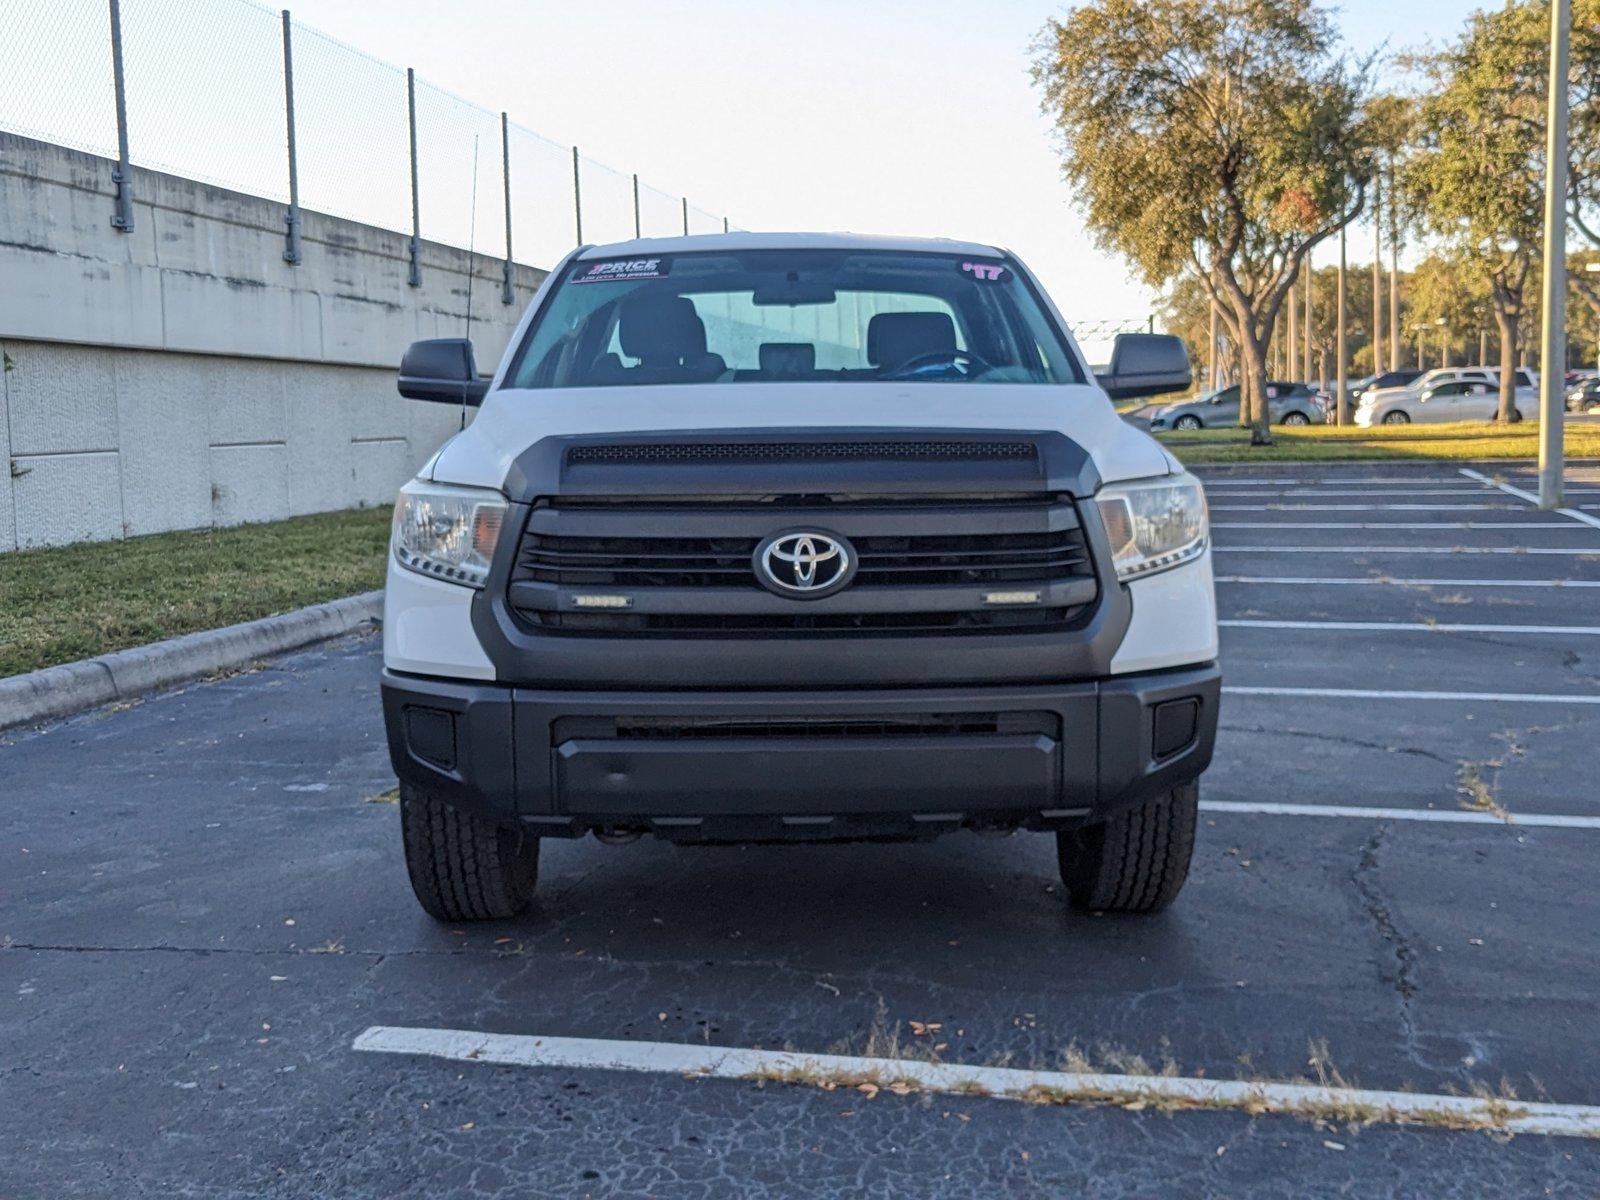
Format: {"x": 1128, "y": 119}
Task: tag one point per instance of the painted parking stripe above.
{"x": 1336, "y": 549}
{"x": 1385, "y": 581}
{"x": 1520, "y": 494}
{"x": 1382, "y": 694}
{"x": 1410, "y": 627}
{"x": 1391, "y": 525}
{"x": 1465, "y": 489}
{"x": 1377, "y": 813}
{"x": 1362, "y": 507}
{"x": 1003, "y": 1083}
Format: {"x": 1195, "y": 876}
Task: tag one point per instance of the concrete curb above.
{"x": 72, "y": 687}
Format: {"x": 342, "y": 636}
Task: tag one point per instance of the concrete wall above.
{"x": 184, "y": 375}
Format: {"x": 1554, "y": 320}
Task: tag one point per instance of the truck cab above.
{"x": 763, "y": 537}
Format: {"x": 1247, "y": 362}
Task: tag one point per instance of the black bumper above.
{"x": 750, "y": 766}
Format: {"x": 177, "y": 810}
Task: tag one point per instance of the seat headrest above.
{"x": 658, "y": 328}
{"x": 897, "y": 337}
{"x": 787, "y": 358}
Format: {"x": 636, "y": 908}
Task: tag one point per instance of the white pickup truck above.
{"x": 768, "y": 537}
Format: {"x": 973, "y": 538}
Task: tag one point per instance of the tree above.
{"x": 1220, "y": 137}
{"x": 1583, "y": 197}
{"x": 1477, "y": 178}
{"x": 1450, "y": 292}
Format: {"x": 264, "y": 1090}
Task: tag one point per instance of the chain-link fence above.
{"x": 234, "y": 94}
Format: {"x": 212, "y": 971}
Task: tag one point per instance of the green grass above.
{"x": 62, "y": 603}
{"x": 1329, "y": 443}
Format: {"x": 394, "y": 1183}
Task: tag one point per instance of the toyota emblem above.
{"x": 804, "y": 564}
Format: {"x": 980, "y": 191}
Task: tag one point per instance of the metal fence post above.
{"x": 291, "y": 249}
{"x": 414, "y": 276}
{"x": 122, "y": 218}
{"x": 637, "y": 228}
{"x": 724, "y": 224}
{"x": 685, "y": 216}
{"x": 577, "y": 197}
{"x": 507, "y": 294}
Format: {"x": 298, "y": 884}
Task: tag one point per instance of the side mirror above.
{"x": 442, "y": 369}
{"x": 1146, "y": 364}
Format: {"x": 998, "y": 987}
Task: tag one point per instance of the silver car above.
{"x": 1287, "y": 404}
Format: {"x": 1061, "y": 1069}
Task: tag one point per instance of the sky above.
{"x": 897, "y": 116}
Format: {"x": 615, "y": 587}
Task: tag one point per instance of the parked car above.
{"x": 1287, "y": 404}
{"x": 1387, "y": 379}
{"x": 712, "y": 569}
{"x": 1470, "y": 395}
{"x": 1585, "y": 397}
{"x": 1463, "y": 399}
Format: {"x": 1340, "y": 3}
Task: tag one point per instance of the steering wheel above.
{"x": 976, "y": 364}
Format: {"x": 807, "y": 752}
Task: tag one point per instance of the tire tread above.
{"x": 462, "y": 867}
{"x": 1137, "y": 861}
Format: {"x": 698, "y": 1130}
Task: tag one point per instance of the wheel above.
{"x": 1396, "y": 416}
{"x": 462, "y": 867}
{"x": 1135, "y": 862}
{"x": 1297, "y": 418}
{"x": 1187, "y": 421}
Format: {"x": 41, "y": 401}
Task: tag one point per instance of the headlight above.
{"x": 447, "y": 532}
{"x": 1155, "y": 524}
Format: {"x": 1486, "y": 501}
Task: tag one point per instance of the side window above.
{"x": 1523, "y": 379}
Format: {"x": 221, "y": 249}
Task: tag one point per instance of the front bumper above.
{"x": 798, "y": 765}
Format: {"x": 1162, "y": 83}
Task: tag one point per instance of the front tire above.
{"x": 1297, "y": 418}
{"x": 462, "y": 867}
{"x": 1137, "y": 861}
{"x": 1186, "y": 422}
{"x": 1396, "y": 417}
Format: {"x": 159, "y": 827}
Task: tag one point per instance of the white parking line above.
{"x": 1380, "y": 694}
{"x": 1384, "y": 581}
{"x": 1464, "y": 489}
{"x": 1376, "y": 813}
{"x": 1411, "y": 627}
{"x": 1327, "y": 550}
{"x": 1362, "y": 507}
{"x": 1391, "y": 525}
{"x": 1004, "y": 1083}
{"x": 1520, "y": 494}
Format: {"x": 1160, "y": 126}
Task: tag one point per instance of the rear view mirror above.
{"x": 442, "y": 369}
{"x": 1146, "y": 364}
{"x": 792, "y": 294}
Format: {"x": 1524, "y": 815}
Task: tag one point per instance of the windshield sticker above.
{"x": 619, "y": 269}
{"x": 989, "y": 272}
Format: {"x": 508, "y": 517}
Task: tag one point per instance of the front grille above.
{"x": 691, "y": 453}
{"x": 921, "y": 568}
{"x": 723, "y": 562}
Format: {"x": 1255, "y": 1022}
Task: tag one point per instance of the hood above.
{"x": 512, "y": 419}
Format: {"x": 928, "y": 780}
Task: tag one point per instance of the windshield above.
{"x": 785, "y": 316}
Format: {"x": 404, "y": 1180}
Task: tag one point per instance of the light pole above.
{"x": 1418, "y": 329}
{"x": 1553, "y": 347}
{"x": 1444, "y": 340}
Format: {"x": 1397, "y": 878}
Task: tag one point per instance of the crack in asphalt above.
{"x": 1338, "y": 740}
{"x": 1403, "y": 977}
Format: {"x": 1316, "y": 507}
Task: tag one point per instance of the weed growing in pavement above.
{"x": 1337, "y": 1101}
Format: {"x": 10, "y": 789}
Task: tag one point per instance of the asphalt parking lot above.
{"x": 202, "y": 905}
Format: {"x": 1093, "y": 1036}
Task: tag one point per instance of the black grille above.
{"x": 776, "y": 452}
{"x": 727, "y": 562}
{"x": 672, "y": 570}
